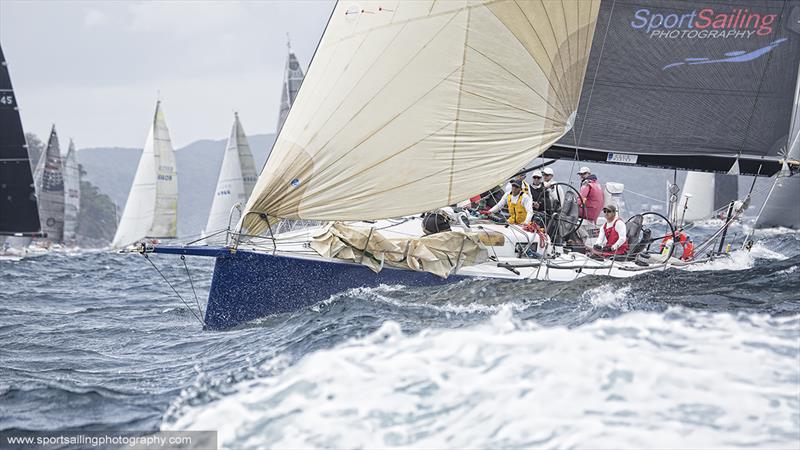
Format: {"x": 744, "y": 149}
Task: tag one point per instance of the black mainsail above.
{"x": 19, "y": 214}
{"x": 688, "y": 85}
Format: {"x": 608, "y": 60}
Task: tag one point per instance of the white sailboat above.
{"x": 72, "y": 195}
{"x": 237, "y": 176}
{"x": 151, "y": 210}
{"x": 708, "y": 196}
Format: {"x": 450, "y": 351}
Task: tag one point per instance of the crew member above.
{"x": 556, "y": 193}
{"x": 538, "y": 193}
{"x": 522, "y": 183}
{"x": 591, "y": 195}
{"x": 612, "y": 239}
{"x": 519, "y": 205}
{"x": 687, "y": 253}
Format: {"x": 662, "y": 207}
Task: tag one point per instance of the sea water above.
{"x": 706, "y": 358}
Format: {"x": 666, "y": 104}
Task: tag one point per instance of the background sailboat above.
{"x": 237, "y": 176}
{"x": 49, "y": 179}
{"x": 152, "y": 207}
{"x": 293, "y": 78}
{"x": 72, "y": 195}
{"x": 711, "y": 192}
{"x": 19, "y": 212}
{"x": 780, "y": 209}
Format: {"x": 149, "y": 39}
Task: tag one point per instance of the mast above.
{"x": 19, "y": 213}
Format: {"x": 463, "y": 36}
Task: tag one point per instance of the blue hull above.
{"x": 247, "y": 285}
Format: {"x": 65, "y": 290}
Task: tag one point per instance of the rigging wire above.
{"x": 174, "y": 290}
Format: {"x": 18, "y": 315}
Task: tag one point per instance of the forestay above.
{"x": 152, "y": 206}
{"x": 410, "y": 106}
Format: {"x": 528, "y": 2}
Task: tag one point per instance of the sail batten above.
{"x": 392, "y": 121}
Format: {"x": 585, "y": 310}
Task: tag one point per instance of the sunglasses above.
{"x": 537, "y": 177}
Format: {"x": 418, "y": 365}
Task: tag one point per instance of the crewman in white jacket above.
{"x": 613, "y": 236}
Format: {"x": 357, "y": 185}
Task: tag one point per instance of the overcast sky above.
{"x": 95, "y": 68}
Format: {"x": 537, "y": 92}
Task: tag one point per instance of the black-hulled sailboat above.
{"x": 19, "y": 214}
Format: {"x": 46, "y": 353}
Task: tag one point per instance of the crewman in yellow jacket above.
{"x": 520, "y": 206}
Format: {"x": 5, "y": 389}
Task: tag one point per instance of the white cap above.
{"x": 548, "y": 171}
{"x": 537, "y": 173}
{"x": 584, "y": 169}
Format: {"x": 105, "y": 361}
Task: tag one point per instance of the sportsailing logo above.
{"x": 706, "y": 23}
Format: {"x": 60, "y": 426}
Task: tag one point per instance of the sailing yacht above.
{"x": 151, "y": 211}
{"x": 408, "y": 107}
{"x": 72, "y": 195}
{"x": 708, "y": 194}
{"x": 49, "y": 179}
{"x": 19, "y": 212}
{"x": 237, "y": 176}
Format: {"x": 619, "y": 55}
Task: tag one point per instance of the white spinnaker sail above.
{"x": 152, "y": 206}
{"x": 412, "y": 105}
{"x": 72, "y": 194}
{"x": 700, "y": 186}
{"x": 237, "y": 176}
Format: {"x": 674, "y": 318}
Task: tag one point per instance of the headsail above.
{"x": 710, "y": 192}
{"x": 410, "y": 106}
{"x": 780, "y": 208}
{"x": 152, "y": 206}
{"x": 49, "y": 179}
{"x": 292, "y": 79}
{"x": 19, "y": 212}
{"x": 237, "y": 176}
{"x": 72, "y": 194}
{"x": 680, "y": 85}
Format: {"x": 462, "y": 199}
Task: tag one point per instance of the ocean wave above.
{"x": 679, "y": 379}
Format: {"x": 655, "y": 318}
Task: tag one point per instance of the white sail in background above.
{"x": 152, "y": 206}
{"x": 49, "y": 182}
{"x": 700, "y": 185}
{"x": 410, "y": 106}
{"x": 293, "y": 78}
{"x": 237, "y": 176}
{"x": 72, "y": 195}
{"x": 780, "y": 208}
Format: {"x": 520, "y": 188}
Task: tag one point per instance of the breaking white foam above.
{"x": 641, "y": 380}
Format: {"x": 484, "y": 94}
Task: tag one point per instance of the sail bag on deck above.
{"x": 409, "y": 106}
{"x": 440, "y": 253}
